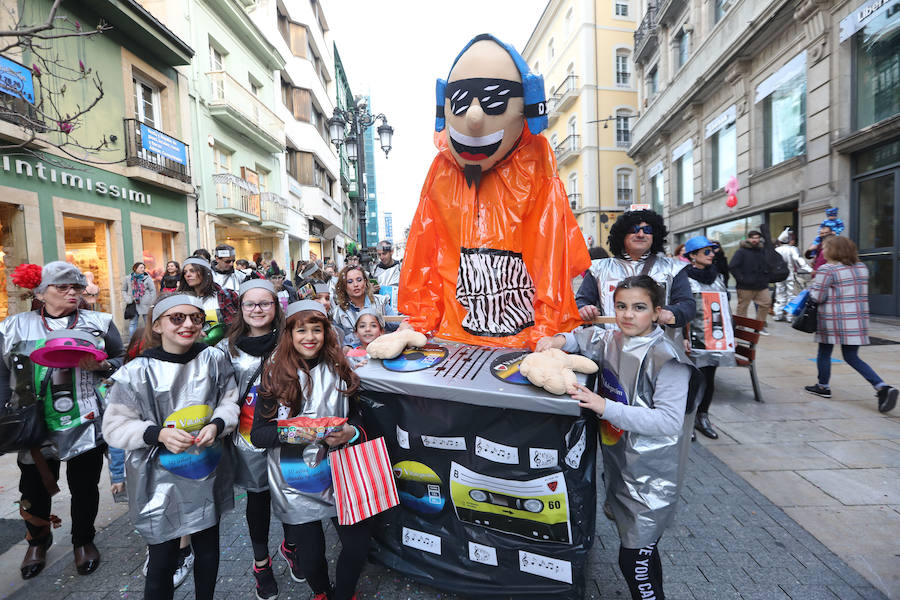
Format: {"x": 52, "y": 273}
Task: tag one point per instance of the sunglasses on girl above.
{"x": 646, "y": 229}
{"x": 197, "y": 318}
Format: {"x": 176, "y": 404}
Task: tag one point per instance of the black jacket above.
{"x": 748, "y": 267}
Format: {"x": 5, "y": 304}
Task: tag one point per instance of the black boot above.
{"x": 702, "y": 424}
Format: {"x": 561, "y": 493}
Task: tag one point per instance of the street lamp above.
{"x": 358, "y": 119}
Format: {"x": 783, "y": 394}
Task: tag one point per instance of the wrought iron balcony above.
{"x": 645, "y": 37}
{"x": 568, "y": 149}
{"x": 236, "y": 198}
{"x": 154, "y": 150}
{"x": 240, "y": 109}
{"x": 272, "y": 210}
{"x": 575, "y": 201}
{"x": 566, "y": 93}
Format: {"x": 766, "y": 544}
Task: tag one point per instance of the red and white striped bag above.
{"x": 363, "y": 481}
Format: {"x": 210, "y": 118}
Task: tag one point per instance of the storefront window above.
{"x": 684, "y": 169}
{"x": 657, "y": 193}
{"x": 731, "y": 233}
{"x": 724, "y": 155}
{"x": 876, "y": 210}
{"x": 878, "y": 68}
{"x": 157, "y": 251}
{"x": 784, "y": 121}
{"x": 87, "y": 247}
{"x": 12, "y": 253}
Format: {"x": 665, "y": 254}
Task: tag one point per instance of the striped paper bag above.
{"x": 363, "y": 481}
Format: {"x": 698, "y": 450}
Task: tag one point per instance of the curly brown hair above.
{"x": 279, "y": 376}
{"x": 340, "y": 288}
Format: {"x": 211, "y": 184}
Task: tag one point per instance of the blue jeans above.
{"x": 851, "y": 357}
{"x": 133, "y": 324}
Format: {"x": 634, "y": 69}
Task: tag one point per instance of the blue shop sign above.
{"x": 16, "y": 80}
{"x": 158, "y": 142}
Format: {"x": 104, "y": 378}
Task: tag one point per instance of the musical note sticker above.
{"x": 499, "y": 453}
{"x": 422, "y": 541}
{"x": 544, "y": 566}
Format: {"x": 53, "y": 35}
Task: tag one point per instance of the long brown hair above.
{"x": 340, "y": 288}
{"x": 840, "y": 249}
{"x": 239, "y": 327}
{"x": 279, "y": 376}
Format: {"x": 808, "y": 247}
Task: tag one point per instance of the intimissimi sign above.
{"x": 66, "y": 179}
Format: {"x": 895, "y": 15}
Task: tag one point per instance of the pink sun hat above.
{"x": 64, "y": 349}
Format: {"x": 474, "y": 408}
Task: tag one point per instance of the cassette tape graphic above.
{"x": 536, "y": 509}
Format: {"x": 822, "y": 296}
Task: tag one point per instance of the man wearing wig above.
{"x": 493, "y": 246}
{"x": 636, "y": 243}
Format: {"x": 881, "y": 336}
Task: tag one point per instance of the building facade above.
{"x": 131, "y": 199}
{"x": 583, "y": 48}
{"x": 794, "y": 102}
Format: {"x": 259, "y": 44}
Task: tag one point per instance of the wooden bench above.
{"x": 746, "y": 336}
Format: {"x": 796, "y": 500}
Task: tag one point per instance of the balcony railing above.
{"x": 623, "y": 196}
{"x": 152, "y": 149}
{"x": 568, "y": 149}
{"x": 645, "y": 35}
{"x": 236, "y": 197}
{"x": 242, "y": 110}
{"x": 566, "y": 93}
{"x": 272, "y": 210}
{"x": 575, "y": 201}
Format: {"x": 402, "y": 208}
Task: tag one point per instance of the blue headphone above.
{"x": 533, "y": 86}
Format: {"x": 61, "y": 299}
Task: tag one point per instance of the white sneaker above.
{"x": 764, "y": 331}
{"x": 183, "y": 569}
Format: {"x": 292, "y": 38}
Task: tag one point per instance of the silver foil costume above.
{"x": 229, "y": 281}
{"x": 171, "y": 495}
{"x": 608, "y": 272}
{"x": 387, "y": 276}
{"x": 643, "y": 473}
{"x": 300, "y": 486}
{"x": 249, "y": 461}
{"x": 798, "y": 274}
{"x": 72, "y": 409}
{"x": 346, "y": 319}
{"x": 720, "y": 321}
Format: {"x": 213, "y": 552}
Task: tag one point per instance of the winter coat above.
{"x": 146, "y": 301}
{"x": 748, "y": 267}
{"x": 842, "y": 293}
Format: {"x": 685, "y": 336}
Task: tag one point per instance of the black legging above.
{"x": 643, "y": 571}
{"x": 310, "y": 541}
{"x": 164, "y": 560}
{"x": 709, "y": 374}
{"x": 83, "y": 476}
{"x": 259, "y": 511}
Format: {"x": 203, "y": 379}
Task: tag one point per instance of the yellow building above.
{"x": 583, "y": 48}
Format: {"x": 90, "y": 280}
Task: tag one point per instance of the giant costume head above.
{"x": 494, "y": 245}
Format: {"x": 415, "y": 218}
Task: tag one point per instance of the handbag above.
{"x": 807, "y": 319}
{"x": 23, "y": 426}
{"x": 363, "y": 481}
{"x": 130, "y": 311}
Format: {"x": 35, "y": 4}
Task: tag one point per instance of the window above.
{"x": 573, "y": 127}
{"x": 554, "y": 140}
{"x": 784, "y": 121}
{"x": 877, "y": 64}
{"x": 263, "y": 176}
{"x": 550, "y": 51}
{"x": 721, "y": 7}
{"x": 622, "y": 8}
{"x": 684, "y": 178}
{"x": 723, "y": 147}
{"x": 682, "y": 48}
{"x": 221, "y": 160}
{"x": 255, "y": 88}
{"x": 294, "y": 34}
{"x": 623, "y": 128}
{"x": 216, "y": 60}
{"x": 657, "y": 193}
{"x": 653, "y": 82}
{"x": 572, "y": 191}
{"x": 623, "y": 68}
{"x": 623, "y": 187}
{"x": 146, "y": 102}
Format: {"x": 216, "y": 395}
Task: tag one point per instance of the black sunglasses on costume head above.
{"x": 647, "y": 229}
{"x": 493, "y": 94}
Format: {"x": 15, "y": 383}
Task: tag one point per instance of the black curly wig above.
{"x": 626, "y": 222}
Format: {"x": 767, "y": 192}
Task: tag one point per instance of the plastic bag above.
{"x": 796, "y": 304}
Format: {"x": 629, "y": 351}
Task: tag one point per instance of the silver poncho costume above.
{"x": 229, "y": 281}
{"x": 171, "y": 495}
{"x": 387, "y": 276}
{"x": 302, "y": 493}
{"x": 250, "y": 472}
{"x": 712, "y": 333}
{"x": 72, "y": 409}
{"x": 643, "y": 473}
{"x": 345, "y": 319}
{"x": 608, "y": 272}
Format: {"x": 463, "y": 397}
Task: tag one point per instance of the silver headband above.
{"x": 177, "y": 300}
{"x": 295, "y": 307}
{"x": 252, "y": 284}
{"x": 200, "y": 262}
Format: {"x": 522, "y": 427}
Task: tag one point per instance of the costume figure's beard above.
{"x": 472, "y": 174}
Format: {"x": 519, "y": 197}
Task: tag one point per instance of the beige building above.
{"x": 797, "y": 100}
{"x": 583, "y": 48}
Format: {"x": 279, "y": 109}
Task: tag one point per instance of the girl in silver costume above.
{"x": 309, "y": 376}
{"x": 251, "y": 341}
{"x": 169, "y": 410}
{"x": 643, "y": 381}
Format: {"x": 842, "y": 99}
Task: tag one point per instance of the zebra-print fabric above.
{"x": 496, "y": 290}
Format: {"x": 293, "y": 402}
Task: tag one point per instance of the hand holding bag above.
{"x": 807, "y": 319}
{"x": 363, "y": 481}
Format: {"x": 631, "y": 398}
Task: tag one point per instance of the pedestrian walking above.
{"x": 309, "y": 375}
{"x": 841, "y": 290}
{"x": 224, "y": 273}
{"x": 220, "y": 305}
{"x": 251, "y": 340}
{"x": 787, "y": 290}
{"x": 709, "y": 341}
{"x": 750, "y": 270}
{"x": 169, "y": 410}
{"x": 646, "y": 433}
{"x": 138, "y": 289}
{"x": 71, "y": 411}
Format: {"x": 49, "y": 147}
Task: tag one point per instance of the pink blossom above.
{"x": 35, "y": 70}
{"x": 81, "y": 66}
{"x": 66, "y": 127}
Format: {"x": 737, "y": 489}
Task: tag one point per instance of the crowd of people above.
{"x": 222, "y": 350}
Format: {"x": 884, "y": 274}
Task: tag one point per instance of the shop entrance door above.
{"x": 876, "y": 223}
{"x": 87, "y": 247}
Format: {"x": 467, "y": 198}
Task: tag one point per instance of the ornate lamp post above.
{"x": 348, "y": 127}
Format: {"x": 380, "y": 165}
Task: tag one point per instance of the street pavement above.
{"x": 799, "y": 498}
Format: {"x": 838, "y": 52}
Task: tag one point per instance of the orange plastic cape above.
{"x": 518, "y": 214}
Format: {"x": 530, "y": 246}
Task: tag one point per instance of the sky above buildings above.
{"x": 394, "y": 50}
